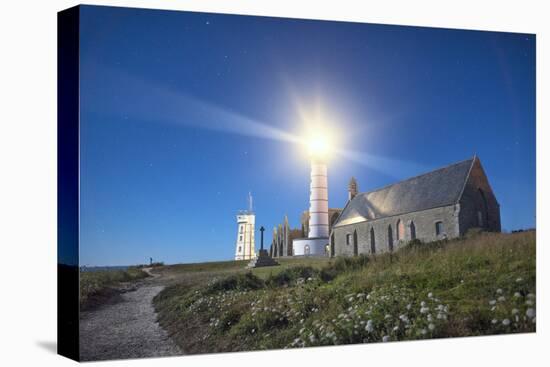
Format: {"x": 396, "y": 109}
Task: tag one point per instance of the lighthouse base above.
{"x": 310, "y": 246}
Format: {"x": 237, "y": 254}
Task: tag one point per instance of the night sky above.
{"x": 182, "y": 114}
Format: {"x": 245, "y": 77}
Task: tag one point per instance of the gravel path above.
{"x": 127, "y": 328}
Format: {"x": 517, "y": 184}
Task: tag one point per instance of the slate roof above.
{"x": 434, "y": 189}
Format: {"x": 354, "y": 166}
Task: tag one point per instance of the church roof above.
{"x": 434, "y": 189}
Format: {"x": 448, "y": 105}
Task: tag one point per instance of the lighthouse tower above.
{"x": 244, "y": 248}
{"x": 318, "y": 200}
{"x": 316, "y": 243}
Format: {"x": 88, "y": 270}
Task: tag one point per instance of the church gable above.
{"x": 478, "y": 204}
{"x": 434, "y": 189}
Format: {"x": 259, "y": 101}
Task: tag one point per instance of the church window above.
{"x": 372, "y": 242}
{"x": 240, "y": 238}
{"x": 240, "y": 249}
{"x": 485, "y": 208}
{"x": 390, "y": 238}
{"x": 400, "y": 230}
{"x": 438, "y": 228}
{"x": 413, "y": 231}
{"x": 241, "y": 228}
{"x": 479, "y": 218}
{"x": 348, "y": 238}
{"x": 355, "y": 244}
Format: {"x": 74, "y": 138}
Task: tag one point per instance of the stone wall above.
{"x": 424, "y": 227}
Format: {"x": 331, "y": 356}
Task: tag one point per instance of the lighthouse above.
{"x": 316, "y": 243}
{"x": 245, "y": 248}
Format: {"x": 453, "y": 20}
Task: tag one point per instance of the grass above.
{"x": 94, "y": 284}
{"x": 480, "y": 285}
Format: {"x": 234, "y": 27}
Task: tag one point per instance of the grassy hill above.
{"x": 480, "y": 285}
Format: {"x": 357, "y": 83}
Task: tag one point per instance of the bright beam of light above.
{"x": 141, "y": 100}
{"x": 394, "y": 168}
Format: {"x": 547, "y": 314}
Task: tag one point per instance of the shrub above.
{"x": 343, "y": 264}
{"x": 239, "y": 282}
{"x": 292, "y": 275}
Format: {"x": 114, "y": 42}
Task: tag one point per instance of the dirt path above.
{"x": 126, "y": 328}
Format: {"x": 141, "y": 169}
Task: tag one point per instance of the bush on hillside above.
{"x": 292, "y": 275}
{"x": 238, "y": 282}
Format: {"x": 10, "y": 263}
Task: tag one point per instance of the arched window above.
{"x": 281, "y": 249}
{"x": 483, "y": 216}
{"x": 372, "y": 242}
{"x": 355, "y": 245}
{"x": 348, "y": 238}
{"x": 306, "y": 250}
{"x": 390, "y": 238}
{"x": 332, "y": 249}
{"x": 438, "y": 228}
{"x": 413, "y": 231}
{"x": 400, "y": 230}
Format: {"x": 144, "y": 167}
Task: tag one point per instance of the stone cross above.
{"x": 262, "y": 229}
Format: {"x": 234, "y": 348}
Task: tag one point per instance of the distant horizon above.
{"x": 184, "y": 113}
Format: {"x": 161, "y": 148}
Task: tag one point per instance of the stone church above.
{"x": 441, "y": 204}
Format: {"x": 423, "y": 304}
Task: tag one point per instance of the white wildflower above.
{"x": 499, "y": 291}
{"x": 518, "y": 280}
{"x": 369, "y": 328}
{"x": 424, "y": 309}
{"x": 517, "y": 295}
{"x": 529, "y": 302}
{"x": 494, "y": 321}
{"x": 530, "y": 313}
{"x": 505, "y": 322}
{"x": 430, "y": 295}
{"x": 492, "y": 302}
{"x": 431, "y": 327}
{"x": 501, "y": 299}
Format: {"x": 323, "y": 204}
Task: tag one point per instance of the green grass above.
{"x": 481, "y": 285}
{"x": 93, "y": 283}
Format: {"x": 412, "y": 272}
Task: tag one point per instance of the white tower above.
{"x": 318, "y": 200}
{"x": 245, "y": 248}
{"x": 317, "y": 241}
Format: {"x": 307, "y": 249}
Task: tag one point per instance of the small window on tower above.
{"x": 240, "y": 238}
{"x": 241, "y": 229}
{"x": 240, "y": 249}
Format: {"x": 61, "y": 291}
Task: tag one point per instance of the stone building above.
{"x": 444, "y": 203}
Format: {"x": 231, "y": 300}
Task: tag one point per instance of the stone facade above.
{"x": 458, "y": 198}
{"x": 420, "y": 225}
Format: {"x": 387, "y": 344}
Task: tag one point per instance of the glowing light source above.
{"x": 319, "y": 145}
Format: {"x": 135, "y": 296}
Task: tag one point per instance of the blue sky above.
{"x": 182, "y": 114}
